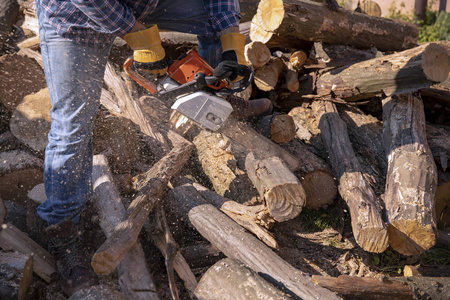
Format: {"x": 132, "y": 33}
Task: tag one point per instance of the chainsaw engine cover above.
{"x": 205, "y": 109}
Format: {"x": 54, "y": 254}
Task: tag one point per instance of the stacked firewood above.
{"x": 324, "y": 71}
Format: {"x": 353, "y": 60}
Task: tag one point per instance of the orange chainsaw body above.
{"x": 184, "y": 70}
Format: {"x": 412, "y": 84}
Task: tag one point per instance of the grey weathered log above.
{"x": 402, "y": 72}
{"x": 439, "y": 141}
{"x": 411, "y": 179}
{"x": 12, "y": 239}
{"x": 229, "y": 279}
{"x": 280, "y": 189}
{"x": 135, "y": 280}
{"x": 368, "y": 227}
{"x": 312, "y": 21}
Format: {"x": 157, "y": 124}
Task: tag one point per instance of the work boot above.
{"x": 243, "y": 109}
{"x": 71, "y": 259}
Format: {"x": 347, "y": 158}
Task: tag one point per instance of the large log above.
{"x": 402, "y": 72}
{"x": 150, "y": 188}
{"x": 134, "y": 278}
{"x": 280, "y": 128}
{"x": 411, "y": 179}
{"x": 229, "y": 279}
{"x": 280, "y": 189}
{"x": 12, "y": 239}
{"x": 311, "y": 21}
{"x": 436, "y": 288}
{"x": 16, "y": 274}
{"x": 368, "y": 227}
{"x": 235, "y": 242}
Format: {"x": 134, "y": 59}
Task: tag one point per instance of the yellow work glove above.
{"x": 148, "y": 52}
{"x": 232, "y": 56}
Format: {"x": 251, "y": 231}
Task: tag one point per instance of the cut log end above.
{"x": 285, "y": 202}
{"x": 373, "y": 239}
{"x": 257, "y": 33}
{"x": 435, "y": 63}
{"x": 320, "y": 189}
{"x": 272, "y": 14}
{"x": 409, "y": 237}
{"x": 103, "y": 263}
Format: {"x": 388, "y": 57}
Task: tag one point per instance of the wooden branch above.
{"x": 229, "y": 279}
{"x": 411, "y": 179}
{"x": 135, "y": 281}
{"x": 12, "y": 239}
{"x": 151, "y": 188}
{"x": 367, "y": 225}
{"x": 402, "y": 72}
{"x": 280, "y": 189}
{"x": 312, "y": 21}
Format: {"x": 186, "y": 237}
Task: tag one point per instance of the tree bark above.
{"x": 411, "y": 179}
{"x": 367, "y": 225}
{"x": 229, "y": 279}
{"x": 280, "y": 189}
{"x": 402, "y": 72}
{"x": 150, "y": 188}
{"x": 134, "y": 278}
{"x": 235, "y": 242}
{"x": 310, "y": 21}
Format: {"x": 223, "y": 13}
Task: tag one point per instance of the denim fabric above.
{"x": 74, "y": 74}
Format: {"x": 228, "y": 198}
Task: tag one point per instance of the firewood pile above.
{"x": 361, "y": 121}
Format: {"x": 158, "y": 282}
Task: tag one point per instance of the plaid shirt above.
{"x": 95, "y": 22}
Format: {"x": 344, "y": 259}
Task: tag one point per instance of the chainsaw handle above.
{"x": 147, "y": 84}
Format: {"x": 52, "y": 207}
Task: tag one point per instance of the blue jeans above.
{"x": 74, "y": 75}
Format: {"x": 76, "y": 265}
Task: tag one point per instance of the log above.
{"x": 291, "y": 77}
{"x": 32, "y": 54}
{"x": 266, "y": 77}
{"x": 101, "y": 291}
{"x": 366, "y": 135}
{"x": 280, "y": 189}
{"x": 399, "y": 73}
{"x": 315, "y": 176}
{"x": 367, "y": 225}
{"x": 224, "y": 166}
{"x": 31, "y": 43}
{"x": 30, "y": 122}
{"x": 439, "y": 141}
{"x": 257, "y": 143}
{"x": 238, "y": 244}
{"x": 12, "y": 239}
{"x": 229, "y": 279}
{"x": 19, "y": 173}
{"x": 392, "y": 288}
{"x": 16, "y": 274}
{"x": 280, "y": 128}
{"x": 19, "y": 76}
{"x": 438, "y": 271}
{"x": 150, "y": 188}
{"x": 298, "y": 59}
{"x": 310, "y": 21}
{"x": 254, "y": 218}
{"x": 135, "y": 280}
{"x": 257, "y": 54}
{"x": 411, "y": 179}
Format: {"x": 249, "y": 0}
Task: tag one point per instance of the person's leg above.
{"x": 74, "y": 75}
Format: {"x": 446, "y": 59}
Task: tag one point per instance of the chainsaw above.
{"x": 190, "y": 88}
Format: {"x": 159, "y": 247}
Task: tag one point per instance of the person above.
{"x": 76, "y": 37}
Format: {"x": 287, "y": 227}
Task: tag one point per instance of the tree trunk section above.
{"x": 411, "y": 179}
{"x": 280, "y": 128}
{"x": 311, "y": 21}
{"x": 229, "y": 279}
{"x": 367, "y": 225}
{"x": 266, "y": 77}
{"x": 402, "y": 72}
{"x": 277, "y": 185}
{"x": 257, "y": 54}
{"x": 134, "y": 278}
